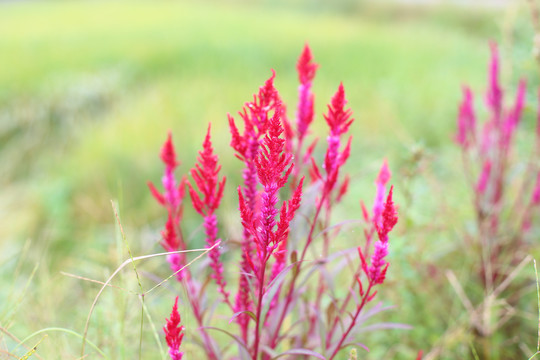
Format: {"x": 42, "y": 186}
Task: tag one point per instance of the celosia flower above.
{"x": 466, "y": 119}
{"x": 255, "y": 115}
{"x": 514, "y": 116}
{"x": 483, "y": 179}
{"x": 389, "y": 218}
{"x": 339, "y": 121}
{"x": 494, "y": 92}
{"x": 205, "y": 175}
{"x": 174, "y": 333}
{"x": 380, "y": 183}
{"x": 171, "y": 199}
{"x": 273, "y": 169}
{"x": 306, "y": 72}
{"x": 377, "y": 270}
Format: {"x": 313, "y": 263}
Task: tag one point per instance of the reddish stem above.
{"x": 289, "y": 297}
{"x": 259, "y": 307}
{"x": 353, "y": 322}
{"x": 198, "y": 316}
{"x": 342, "y": 309}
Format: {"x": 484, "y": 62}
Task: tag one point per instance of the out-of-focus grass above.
{"x": 88, "y": 91}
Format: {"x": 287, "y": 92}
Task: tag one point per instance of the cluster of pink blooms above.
{"x": 172, "y": 199}
{"x": 488, "y": 149}
{"x": 274, "y": 158}
{"x": 174, "y": 333}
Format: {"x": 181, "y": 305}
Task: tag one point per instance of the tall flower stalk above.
{"x": 255, "y": 115}
{"x": 206, "y": 178}
{"x": 172, "y": 200}
{"x": 174, "y": 333}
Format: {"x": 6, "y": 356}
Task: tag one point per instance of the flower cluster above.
{"x": 255, "y": 115}
{"x": 174, "y": 333}
{"x": 205, "y": 175}
{"x": 172, "y": 199}
{"x": 270, "y": 284}
{"x": 503, "y": 219}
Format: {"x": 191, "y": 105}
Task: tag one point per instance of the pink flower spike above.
{"x": 494, "y": 92}
{"x": 338, "y": 118}
{"x": 466, "y": 120}
{"x": 272, "y": 161}
{"x": 483, "y": 180}
{"x": 384, "y": 174}
{"x": 306, "y": 72}
{"x": 168, "y": 155}
{"x": 389, "y": 218}
{"x": 305, "y": 67}
{"x": 205, "y": 175}
{"x": 174, "y": 333}
{"x": 380, "y": 183}
{"x": 377, "y": 270}
{"x": 170, "y": 242}
{"x": 520, "y": 100}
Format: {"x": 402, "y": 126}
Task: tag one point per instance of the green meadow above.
{"x": 89, "y": 90}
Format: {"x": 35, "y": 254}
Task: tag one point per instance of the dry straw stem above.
{"x": 481, "y": 314}
{"x": 13, "y": 337}
{"x": 538, "y": 300}
{"x": 144, "y": 257}
{"x": 132, "y": 261}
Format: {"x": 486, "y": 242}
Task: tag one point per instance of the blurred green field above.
{"x": 88, "y": 91}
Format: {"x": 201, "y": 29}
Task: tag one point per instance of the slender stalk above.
{"x": 259, "y": 308}
{"x": 198, "y": 316}
{"x": 341, "y": 309}
{"x": 353, "y": 322}
{"x": 288, "y": 300}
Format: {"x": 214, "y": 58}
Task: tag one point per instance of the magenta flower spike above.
{"x": 255, "y": 115}
{"x": 483, "y": 180}
{"x": 466, "y": 120}
{"x": 306, "y": 72}
{"x": 206, "y": 178}
{"x": 514, "y": 116}
{"x": 273, "y": 169}
{"x": 339, "y": 119}
{"x": 174, "y": 333}
{"x": 494, "y": 93}
{"x": 377, "y": 269}
{"x": 380, "y": 183}
{"x": 273, "y": 166}
{"x": 168, "y": 156}
{"x": 171, "y": 199}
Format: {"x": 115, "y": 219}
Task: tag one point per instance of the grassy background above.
{"x": 88, "y": 91}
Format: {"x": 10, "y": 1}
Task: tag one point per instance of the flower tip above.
{"x": 168, "y": 154}
{"x": 384, "y": 173}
